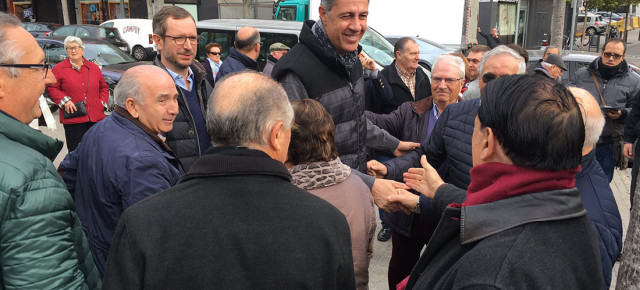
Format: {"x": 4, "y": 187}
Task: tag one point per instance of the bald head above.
{"x": 247, "y": 38}
{"x": 136, "y": 80}
{"x": 592, "y": 117}
{"x": 243, "y": 109}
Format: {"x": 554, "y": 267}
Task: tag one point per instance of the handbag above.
{"x": 81, "y": 108}
{"x": 621, "y": 161}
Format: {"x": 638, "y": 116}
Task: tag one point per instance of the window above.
{"x": 377, "y": 47}
{"x": 54, "y": 53}
{"x": 224, "y": 38}
{"x": 83, "y": 32}
{"x": 65, "y": 31}
{"x": 268, "y": 39}
{"x": 287, "y": 13}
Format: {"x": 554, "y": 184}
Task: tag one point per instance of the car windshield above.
{"x": 106, "y": 54}
{"x": 108, "y": 32}
{"x": 377, "y": 47}
{"x": 429, "y": 46}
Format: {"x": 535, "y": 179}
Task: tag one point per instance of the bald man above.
{"x": 595, "y": 192}
{"x": 235, "y": 221}
{"x": 244, "y": 55}
{"x": 124, "y": 159}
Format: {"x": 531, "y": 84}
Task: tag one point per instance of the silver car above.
{"x": 595, "y": 24}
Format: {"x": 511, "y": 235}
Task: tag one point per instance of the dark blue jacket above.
{"x": 236, "y": 61}
{"x": 449, "y": 142}
{"x": 115, "y": 166}
{"x": 602, "y": 211}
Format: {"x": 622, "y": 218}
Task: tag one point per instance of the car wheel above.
{"x": 591, "y": 31}
{"x": 139, "y": 53}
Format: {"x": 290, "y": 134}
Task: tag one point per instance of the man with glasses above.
{"x": 450, "y": 140}
{"x": 414, "y": 121}
{"x": 213, "y": 63}
{"x": 174, "y": 31}
{"x": 244, "y": 54}
{"x": 277, "y": 50}
{"x": 615, "y": 87}
{"x": 43, "y": 246}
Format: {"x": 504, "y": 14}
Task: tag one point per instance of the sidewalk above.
{"x": 382, "y": 250}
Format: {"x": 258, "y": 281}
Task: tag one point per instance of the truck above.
{"x": 451, "y": 23}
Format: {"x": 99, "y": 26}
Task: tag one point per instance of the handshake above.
{"x": 392, "y": 196}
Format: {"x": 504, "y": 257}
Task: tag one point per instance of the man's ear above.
{"x": 132, "y": 107}
{"x": 276, "y": 136}
{"x": 489, "y": 143}
{"x": 158, "y": 40}
{"x": 323, "y": 14}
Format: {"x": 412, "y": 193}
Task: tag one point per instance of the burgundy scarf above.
{"x": 496, "y": 181}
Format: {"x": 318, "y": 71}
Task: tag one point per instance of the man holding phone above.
{"x": 614, "y": 87}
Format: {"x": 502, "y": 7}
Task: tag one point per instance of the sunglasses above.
{"x": 609, "y": 55}
{"x": 214, "y": 53}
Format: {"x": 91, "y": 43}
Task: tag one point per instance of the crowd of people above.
{"x": 224, "y": 175}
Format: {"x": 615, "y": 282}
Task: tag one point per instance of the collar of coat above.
{"x": 394, "y": 77}
{"x": 25, "y": 135}
{"x": 124, "y": 113}
{"x": 484, "y": 220}
{"x": 235, "y": 161}
{"x": 199, "y": 73}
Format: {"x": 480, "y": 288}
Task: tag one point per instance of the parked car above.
{"x": 595, "y": 23}
{"x": 111, "y": 60}
{"x": 40, "y": 28}
{"x": 222, "y": 31}
{"x": 84, "y": 31}
{"x": 138, "y": 34}
{"x": 608, "y": 15}
{"x": 429, "y": 50}
{"x": 574, "y": 62}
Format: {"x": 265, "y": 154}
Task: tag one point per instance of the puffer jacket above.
{"x": 43, "y": 246}
{"x": 326, "y": 80}
{"x": 602, "y": 211}
{"x": 619, "y": 92}
{"x": 449, "y": 142}
{"x": 183, "y": 138}
{"x": 237, "y": 61}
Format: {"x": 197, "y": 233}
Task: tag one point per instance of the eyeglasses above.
{"x": 180, "y": 40}
{"x": 609, "y": 55}
{"x": 213, "y": 53}
{"x": 449, "y": 81}
{"x": 72, "y": 48}
{"x": 43, "y": 66}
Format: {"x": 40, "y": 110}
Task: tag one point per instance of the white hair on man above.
{"x": 452, "y": 59}
{"x": 546, "y": 65}
{"x": 591, "y": 115}
{"x": 73, "y": 39}
{"x": 9, "y": 48}
{"x": 503, "y": 50}
{"x": 244, "y": 107}
{"x": 129, "y": 86}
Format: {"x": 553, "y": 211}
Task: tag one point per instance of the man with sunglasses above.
{"x": 615, "y": 87}
{"x": 213, "y": 62}
{"x": 43, "y": 246}
{"x": 244, "y": 55}
{"x": 174, "y": 31}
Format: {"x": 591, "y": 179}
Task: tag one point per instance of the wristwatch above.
{"x": 417, "y": 210}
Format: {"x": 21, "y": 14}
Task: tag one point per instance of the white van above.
{"x": 138, "y": 33}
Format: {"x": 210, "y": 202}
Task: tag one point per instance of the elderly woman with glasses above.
{"x": 79, "y": 80}
{"x": 314, "y": 166}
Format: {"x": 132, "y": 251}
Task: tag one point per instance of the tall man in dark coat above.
{"x": 174, "y": 31}
{"x": 325, "y": 66}
{"x": 244, "y": 53}
{"x": 235, "y": 221}
{"x": 521, "y": 224}
{"x": 407, "y": 81}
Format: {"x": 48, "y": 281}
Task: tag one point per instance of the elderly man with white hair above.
{"x": 414, "y": 121}
{"x": 597, "y": 197}
{"x": 124, "y": 158}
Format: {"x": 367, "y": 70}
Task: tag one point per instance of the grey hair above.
{"x": 503, "y": 50}
{"x": 11, "y": 54}
{"x": 452, "y": 59}
{"x": 72, "y": 39}
{"x": 328, "y": 4}
{"x": 592, "y": 126}
{"x": 251, "y": 112}
{"x": 546, "y": 65}
{"x": 130, "y": 86}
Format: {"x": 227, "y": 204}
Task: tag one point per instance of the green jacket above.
{"x": 42, "y": 245}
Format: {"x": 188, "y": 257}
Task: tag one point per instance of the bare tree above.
{"x": 629, "y": 270}
{"x": 557, "y": 24}
{"x": 246, "y": 9}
